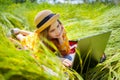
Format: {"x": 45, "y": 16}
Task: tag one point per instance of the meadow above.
{"x": 79, "y": 20}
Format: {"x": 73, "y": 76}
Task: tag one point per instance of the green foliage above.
{"x": 7, "y": 2}
{"x": 109, "y": 20}
{"x": 21, "y": 65}
{"x": 79, "y": 20}
{"x": 107, "y": 70}
{"x": 9, "y": 21}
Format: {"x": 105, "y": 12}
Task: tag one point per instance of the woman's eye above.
{"x": 52, "y": 30}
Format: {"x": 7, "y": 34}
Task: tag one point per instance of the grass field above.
{"x": 79, "y": 21}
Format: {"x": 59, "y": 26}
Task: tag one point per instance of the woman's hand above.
{"x": 66, "y": 62}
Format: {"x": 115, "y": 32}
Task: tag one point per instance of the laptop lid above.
{"x": 90, "y": 50}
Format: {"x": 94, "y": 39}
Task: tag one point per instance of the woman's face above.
{"x": 55, "y": 30}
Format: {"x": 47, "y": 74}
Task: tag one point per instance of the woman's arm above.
{"x": 24, "y": 32}
{"x": 64, "y": 46}
{"x": 18, "y": 31}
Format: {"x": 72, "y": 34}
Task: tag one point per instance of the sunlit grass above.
{"x": 22, "y": 63}
{"x": 79, "y": 21}
{"x": 17, "y": 64}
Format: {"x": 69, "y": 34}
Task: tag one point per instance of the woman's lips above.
{"x": 58, "y": 35}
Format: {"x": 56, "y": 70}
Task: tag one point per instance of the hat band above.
{"x": 45, "y": 20}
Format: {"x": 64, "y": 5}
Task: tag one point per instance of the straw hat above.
{"x": 44, "y": 19}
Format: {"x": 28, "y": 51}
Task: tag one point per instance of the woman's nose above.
{"x": 57, "y": 31}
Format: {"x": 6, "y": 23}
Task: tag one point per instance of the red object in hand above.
{"x": 73, "y": 45}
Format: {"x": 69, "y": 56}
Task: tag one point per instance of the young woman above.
{"x": 49, "y": 28}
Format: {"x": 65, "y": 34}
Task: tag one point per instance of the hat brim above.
{"x": 47, "y": 24}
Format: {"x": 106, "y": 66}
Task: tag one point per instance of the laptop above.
{"x": 89, "y": 51}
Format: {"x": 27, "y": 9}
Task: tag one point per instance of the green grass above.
{"x": 79, "y": 21}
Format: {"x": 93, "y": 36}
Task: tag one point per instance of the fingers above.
{"x": 15, "y": 30}
{"x": 67, "y": 62}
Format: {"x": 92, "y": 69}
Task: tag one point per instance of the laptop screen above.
{"x": 90, "y": 50}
